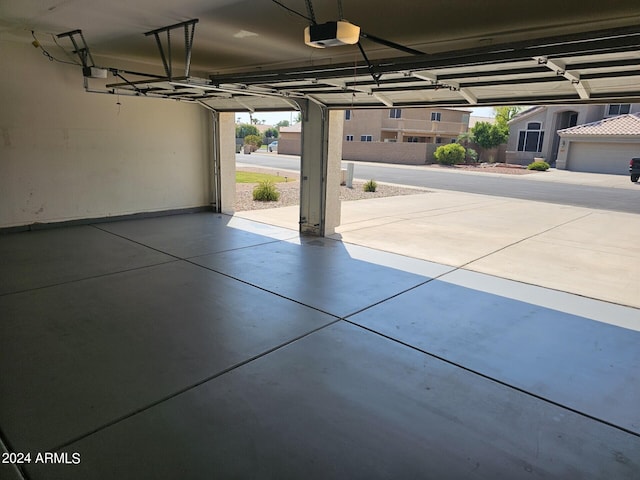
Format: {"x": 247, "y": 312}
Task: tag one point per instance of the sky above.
{"x": 271, "y": 118}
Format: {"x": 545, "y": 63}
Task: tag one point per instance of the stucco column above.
{"x": 320, "y": 162}
{"x": 334, "y": 166}
{"x": 225, "y": 142}
{"x": 563, "y": 150}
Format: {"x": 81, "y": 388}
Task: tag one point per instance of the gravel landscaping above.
{"x": 503, "y": 168}
{"x": 290, "y": 191}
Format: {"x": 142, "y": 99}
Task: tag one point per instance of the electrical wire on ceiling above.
{"x": 311, "y": 13}
{"x": 36, "y": 43}
{"x": 64, "y": 50}
{"x": 311, "y": 18}
{"x": 291, "y": 10}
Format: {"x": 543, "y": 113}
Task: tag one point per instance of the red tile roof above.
{"x": 628, "y": 124}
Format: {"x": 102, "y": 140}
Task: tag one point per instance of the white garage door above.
{"x": 602, "y": 157}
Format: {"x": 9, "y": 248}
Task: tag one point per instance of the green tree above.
{"x": 450, "y": 154}
{"x": 282, "y": 123}
{"x": 271, "y": 133}
{"x": 506, "y": 113}
{"x": 466, "y": 138}
{"x": 244, "y": 129}
{"x": 488, "y": 135}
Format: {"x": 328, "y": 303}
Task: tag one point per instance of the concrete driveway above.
{"x": 587, "y": 252}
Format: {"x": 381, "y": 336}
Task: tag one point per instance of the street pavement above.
{"x": 586, "y": 252}
{"x": 606, "y": 192}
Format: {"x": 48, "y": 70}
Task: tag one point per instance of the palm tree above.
{"x": 466, "y": 138}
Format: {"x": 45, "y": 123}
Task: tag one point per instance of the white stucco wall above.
{"x": 66, "y": 154}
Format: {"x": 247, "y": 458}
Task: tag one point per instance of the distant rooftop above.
{"x": 473, "y": 120}
{"x": 526, "y": 112}
{"x": 292, "y": 128}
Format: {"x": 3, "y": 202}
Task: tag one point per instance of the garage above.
{"x": 602, "y": 157}
{"x": 605, "y": 146}
{"x": 147, "y": 332}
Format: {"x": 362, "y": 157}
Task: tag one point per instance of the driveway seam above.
{"x": 437, "y": 212}
{"x": 524, "y": 240}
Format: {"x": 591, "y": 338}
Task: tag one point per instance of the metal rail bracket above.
{"x": 189, "y": 31}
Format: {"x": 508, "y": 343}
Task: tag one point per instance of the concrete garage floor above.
{"x": 208, "y": 346}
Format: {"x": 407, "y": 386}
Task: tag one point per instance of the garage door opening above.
{"x": 269, "y": 163}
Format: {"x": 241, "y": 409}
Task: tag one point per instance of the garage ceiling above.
{"x": 249, "y": 54}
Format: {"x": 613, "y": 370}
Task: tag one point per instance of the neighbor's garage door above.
{"x": 601, "y": 157}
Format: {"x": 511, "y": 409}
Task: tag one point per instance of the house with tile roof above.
{"x": 605, "y": 146}
{"x": 534, "y": 133}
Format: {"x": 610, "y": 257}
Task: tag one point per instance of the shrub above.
{"x": 266, "y": 191}
{"x": 450, "y": 154}
{"x": 472, "y": 154}
{"x": 370, "y": 186}
{"x": 253, "y": 140}
{"x": 541, "y": 166}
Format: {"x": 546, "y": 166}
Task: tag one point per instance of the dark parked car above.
{"x": 634, "y": 169}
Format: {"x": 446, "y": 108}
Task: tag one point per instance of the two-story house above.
{"x": 536, "y": 133}
{"x": 394, "y": 135}
{"x": 407, "y": 135}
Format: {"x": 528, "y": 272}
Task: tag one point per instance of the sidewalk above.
{"x": 551, "y": 175}
{"x": 587, "y": 252}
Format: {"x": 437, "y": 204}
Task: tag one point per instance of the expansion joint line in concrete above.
{"x": 4, "y": 443}
{"x": 177, "y": 257}
{"x": 90, "y": 277}
{"x": 523, "y": 240}
{"x": 190, "y": 387}
{"x": 430, "y": 213}
{"x": 500, "y": 382}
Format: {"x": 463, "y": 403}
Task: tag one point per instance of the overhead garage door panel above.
{"x": 602, "y": 157}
